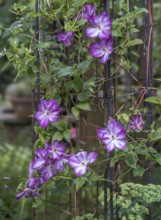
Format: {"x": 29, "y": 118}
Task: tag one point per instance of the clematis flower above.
{"x": 114, "y": 136}
{"x": 32, "y": 185}
{"x": 51, "y": 169}
{"x": 136, "y": 122}
{"x": 102, "y": 49}
{"x": 101, "y": 132}
{"x": 67, "y": 38}
{"x": 35, "y": 182}
{"x": 101, "y": 26}
{"x": 48, "y": 111}
{"x": 88, "y": 11}
{"x": 56, "y": 149}
{"x": 28, "y": 192}
{"x": 80, "y": 161}
{"x": 59, "y": 165}
{"x": 41, "y": 158}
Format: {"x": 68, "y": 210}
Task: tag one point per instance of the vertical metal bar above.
{"x": 46, "y": 204}
{"x": 97, "y": 200}
{"x": 130, "y": 60}
{"x": 130, "y": 8}
{"x": 108, "y": 113}
{"x": 115, "y": 111}
{"x": 33, "y": 142}
{"x": 97, "y": 184}
{"x": 37, "y": 38}
{"x": 37, "y": 89}
{"x": 72, "y": 142}
{"x": 75, "y": 204}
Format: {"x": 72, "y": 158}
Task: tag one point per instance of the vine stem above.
{"x": 145, "y": 90}
{"x": 75, "y": 204}
{"x": 149, "y": 42}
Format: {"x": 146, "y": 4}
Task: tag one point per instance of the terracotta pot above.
{"x": 21, "y": 105}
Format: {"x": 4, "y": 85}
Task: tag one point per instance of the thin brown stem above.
{"x": 75, "y": 204}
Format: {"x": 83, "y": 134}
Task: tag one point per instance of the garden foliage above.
{"x": 74, "y": 37}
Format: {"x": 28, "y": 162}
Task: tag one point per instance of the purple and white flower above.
{"x": 41, "y": 159}
{"x": 80, "y": 161}
{"x": 114, "y": 136}
{"x": 28, "y": 192}
{"x": 59, "y": 165}
{"x": 136, "y": 122}
{"x": 101, "y": 26}
{"x": 102, "y": 49}
{"x": 48, "y": 111}
{"x": 35, "y": 182}
{"x": 88, "y": 11}
{"x": 49, "y": 170}
{"x": 101, "y": 131}
{"x": 56, "y": 149}
{"x": 67, "y": 38}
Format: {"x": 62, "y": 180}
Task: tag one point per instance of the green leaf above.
{"x": 61, "y": 125}
{"x": 141, "y": 150}
{"x": 75, "y": 112}
{"x": 133, "y": 43}
{"x": 93, "y": 177}
{"x": 124, "y": 116}
{"x": 67, "y": 135}
{"x": 84, "y": 106}
{"x": 139, "y": 171}
{"x": 154, "y": 99}
{"x": 65, "y": 71}
{"x": 131, "y": 159}
{"x": 155, "y": 135}
{"x": 78, "y": 83}
{"x": 158, "y": 158}
{"x": 83, "y": 96}
{"x": 79, "y": 182}
{"x": 58, "y": 136}
{"x": 152, "y": 150}
{"x": 114, "y": 160}
{"x": 44, "y": 44}
{"x": 83, "y": 66}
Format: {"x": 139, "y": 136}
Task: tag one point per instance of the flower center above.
{"x": 47, "y": 112}
{"x": 113, "y": 137}
{"x": 84, "y": 163}
{"x": 100, "y": 27}
{"x": 50, "y": 167}
{"x": 54, "y": 149}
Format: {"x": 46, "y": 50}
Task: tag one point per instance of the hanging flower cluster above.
{"x": 50, "y": 160}
{"x": 101, "y": 29}
{"x": 48, "y": 163}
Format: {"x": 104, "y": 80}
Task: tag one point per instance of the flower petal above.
{"x": 92, "y": 156}
{"x": 20, "y": 195}
{"x": 92, "y": 32}
{"x": 79, "y": 171}
{"x": 95, "y": 50}
{"x": 37, "y": 163}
